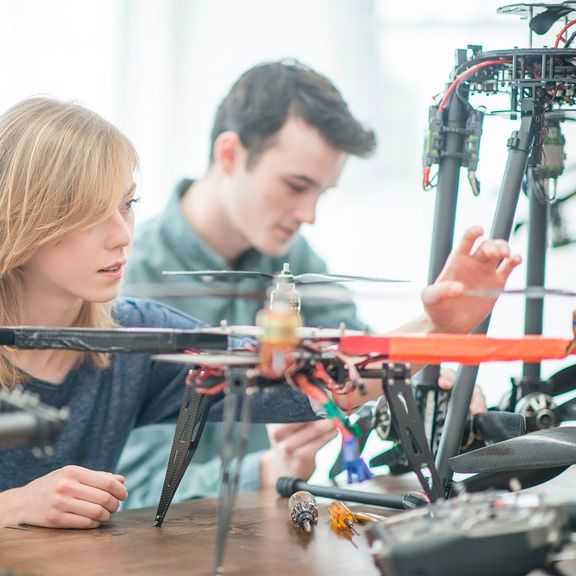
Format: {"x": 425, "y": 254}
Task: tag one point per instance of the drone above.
{"x": 322, "y": 364}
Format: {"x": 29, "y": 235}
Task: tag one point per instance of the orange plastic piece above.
{"x": 462, "y": 348}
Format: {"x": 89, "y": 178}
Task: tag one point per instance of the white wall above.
{"x": 158, "y": 68}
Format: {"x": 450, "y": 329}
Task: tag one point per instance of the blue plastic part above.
{"x": 356, "y": 469}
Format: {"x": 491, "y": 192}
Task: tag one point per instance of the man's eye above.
{"x": 296, "y": 188}
{"x": 128, "y": 205}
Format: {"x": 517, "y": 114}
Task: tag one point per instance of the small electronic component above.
{"x": 341, "y": 517}
{"x": 303, "y": 510}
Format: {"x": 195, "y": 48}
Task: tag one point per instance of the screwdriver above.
{"x": 341, "y": 517}
{"x": 303, "y": 510}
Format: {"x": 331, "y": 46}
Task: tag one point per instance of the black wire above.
{"x": 463, "y": 99}
{"x": 569, "y": 41}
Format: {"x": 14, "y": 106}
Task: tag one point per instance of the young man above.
{"x": 280, "y": 139}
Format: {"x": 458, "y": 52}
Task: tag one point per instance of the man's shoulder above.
{"x": 143, "y": 313}
{"x": 149, "y": 227}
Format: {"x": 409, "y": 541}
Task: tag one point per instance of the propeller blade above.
{"x": 563, "y": 381}
{"x": 529, "y": 292}
{"x": 321, "y": 278}
{"x": 567, "y": 411}
{"x": 501, "y": 480}
{"x": 214, "y": 360}
{"x": 189, "y": 290}
{"x": 219, "y": 275}
{"x": 550, "y": 448}
{"x": 495, "y": 426}
{"x": 542, "y": 22}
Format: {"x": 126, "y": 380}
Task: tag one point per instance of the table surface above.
{"x": 261, "y": 541}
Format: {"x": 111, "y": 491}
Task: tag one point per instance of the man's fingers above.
{"x": 492, "y": 250}
{"x": 446, "y": 378}
{"x": 279, "y": 432}
{"x": 300, "y": 432}
{"x": 478, "y": 403}
{"x": 467, "y": 241}
{"x": 435, "y": 293}
{"x": 310, "y": 449}
{"x": 508, "y": 264}
{"x": 308, "y": 434}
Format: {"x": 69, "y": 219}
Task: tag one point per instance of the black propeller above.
{"x": 502, "y": 480}
{"x": 545, "y": 14}
{"x": 563, "y": 381}
{"x": 550, "y": 448}
{"x": 284, "y": 276}
{"x": 542, "y": 22}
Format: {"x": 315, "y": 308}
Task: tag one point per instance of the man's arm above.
{"x": 446, "y": 308}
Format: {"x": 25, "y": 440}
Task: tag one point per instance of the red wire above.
{"x": 559, "y": 36}
{"x": 465, "y": 74}
{"x": 213, "y": 390}
{"x": 426, "y": 178}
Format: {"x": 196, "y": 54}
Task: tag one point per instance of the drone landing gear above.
{"x": 410, "y": 428}
{"x": 240, "y": 391}
{"x": 189, "y": 427}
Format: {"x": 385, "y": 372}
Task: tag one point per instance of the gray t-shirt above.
{"x": 105, "y": 405}
{"x": 167, "y": 242}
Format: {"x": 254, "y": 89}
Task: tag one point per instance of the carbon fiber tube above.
{"x": 152, "y": 340}
{"x": 286, "y": 486}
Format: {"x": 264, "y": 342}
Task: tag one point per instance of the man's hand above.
{"x": 70, "y": 497}
{"x": 478, "y": 402}
{"x": 486, "y": 267}
{"x": 293, "y": 450}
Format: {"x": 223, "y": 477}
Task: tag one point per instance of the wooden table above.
{"x": 261, "y": 541}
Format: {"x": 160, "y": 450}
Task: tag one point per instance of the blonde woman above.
{"x": 66, "y": 223}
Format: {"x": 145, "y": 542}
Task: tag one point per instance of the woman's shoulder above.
{"x": 142, "y": 313}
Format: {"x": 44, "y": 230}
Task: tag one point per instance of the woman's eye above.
{"x": 127, "y": 206}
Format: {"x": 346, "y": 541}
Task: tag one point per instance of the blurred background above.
{"x": 158, "y": 68}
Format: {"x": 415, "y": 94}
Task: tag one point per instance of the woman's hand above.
{"x": 70, "y": 497}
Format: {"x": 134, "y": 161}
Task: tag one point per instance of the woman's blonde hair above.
{"x": 60, "y": 169}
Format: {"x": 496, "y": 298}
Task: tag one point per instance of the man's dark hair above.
{"x": 262, "y": 99}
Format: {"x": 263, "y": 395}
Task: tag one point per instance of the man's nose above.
{"x": 306, "y": 210}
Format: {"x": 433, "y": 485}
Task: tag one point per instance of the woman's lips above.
{"x": 114, "y": 271}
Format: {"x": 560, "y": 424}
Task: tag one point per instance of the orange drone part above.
{"x": 465, "y": 349}
{"x": 278, "y": 340}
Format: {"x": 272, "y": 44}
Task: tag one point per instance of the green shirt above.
{"x": 167, "y": 242}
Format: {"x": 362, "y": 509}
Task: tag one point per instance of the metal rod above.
{"x": 519, "y": 146}
{"x": 535, "y": 268}
{"x": 286, "y": 486}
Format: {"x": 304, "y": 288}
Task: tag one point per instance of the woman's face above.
{"x": 88, "y": 264}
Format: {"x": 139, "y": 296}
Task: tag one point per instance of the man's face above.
{"x": 267, "y": 202}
